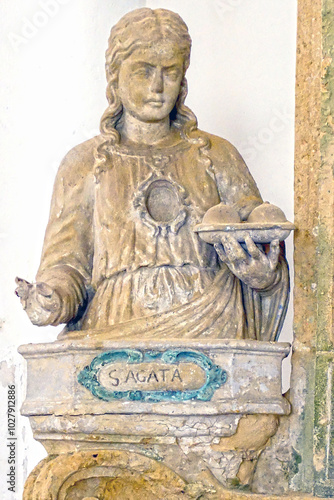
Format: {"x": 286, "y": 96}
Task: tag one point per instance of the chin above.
{"x": 154, "y": 115}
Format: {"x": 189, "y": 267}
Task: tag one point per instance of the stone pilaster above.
{"x": 312, "y": 381}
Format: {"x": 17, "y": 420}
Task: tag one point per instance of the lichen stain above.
{"x": 319, "y": 459}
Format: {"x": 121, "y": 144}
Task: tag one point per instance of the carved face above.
{"x": 149, "y": 81}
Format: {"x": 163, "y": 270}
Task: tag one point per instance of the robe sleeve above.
{"x": 265, "y": 310}
{"x": 236, "y": 186}
{"x": 66, "y": 262}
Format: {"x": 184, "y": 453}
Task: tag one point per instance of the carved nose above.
{"x": 157, "y": 84}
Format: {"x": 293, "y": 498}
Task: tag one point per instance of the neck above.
{"x": 147, "y": 133}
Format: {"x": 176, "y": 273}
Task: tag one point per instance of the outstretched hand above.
{"x": 253, "y": 267}
{"x": 39, "y": 300}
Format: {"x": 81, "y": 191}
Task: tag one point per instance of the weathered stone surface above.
{"x": 306, "y": 465}
{"x": 105, "y": 475}
{"x": 120, "y": 253}
{"x": 253, "y": 379}
{"x": 167, "y": 431}
{"x": 314, "y": 245}
{"x": 166, "y": 380}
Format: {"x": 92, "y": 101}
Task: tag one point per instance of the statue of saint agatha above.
{"x": 121, "y": 258}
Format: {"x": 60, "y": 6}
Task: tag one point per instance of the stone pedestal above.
{"x": 120, "y": 417}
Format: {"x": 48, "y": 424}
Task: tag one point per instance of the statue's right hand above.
{"x": 39, "y": 300}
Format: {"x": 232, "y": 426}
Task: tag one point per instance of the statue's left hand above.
{"x": 253, "y": 267}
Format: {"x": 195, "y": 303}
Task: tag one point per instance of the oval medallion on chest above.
{"x": 162, "y": 201}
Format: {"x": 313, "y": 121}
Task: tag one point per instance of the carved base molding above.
{"x": 123, "y": 475}
{"x": 121, "y": 419}
{"x": 188, "y": 421}
{"x": 103, "y": 474}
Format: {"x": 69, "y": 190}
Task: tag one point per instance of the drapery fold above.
{"x": 110, "y": 260}
{"x": 224, "y": 310}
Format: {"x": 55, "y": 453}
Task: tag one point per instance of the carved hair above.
{"x": 136, "y": 29}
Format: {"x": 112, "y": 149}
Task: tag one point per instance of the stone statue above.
{"x": 120, "y": 251}
{"x": 169, "y": 272}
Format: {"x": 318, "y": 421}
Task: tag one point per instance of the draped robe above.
{"x": 121, "y": 252}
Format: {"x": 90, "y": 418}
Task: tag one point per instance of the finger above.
{"x": 220, "y": 251}
{"x": 18, "y": 281}
{"x": 44, "y": 289}
{"x": 252, "y": 249}
{"x": 22, "y": 290}
{"x": 233, "y": 249}
{"x": 274, "y": 254}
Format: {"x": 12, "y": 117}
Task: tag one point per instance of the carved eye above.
{"x": 143, "y": 72}
{"x": 162, "y": 201}
{"x": 172, "y": 73}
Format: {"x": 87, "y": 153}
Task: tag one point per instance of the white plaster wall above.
{"x": 52, "y": 91}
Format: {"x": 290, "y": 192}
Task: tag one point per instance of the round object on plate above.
{"x": 221, "y": 213}
{"x": 267, "y": 213}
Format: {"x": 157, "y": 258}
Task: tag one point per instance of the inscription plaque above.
{"x": 152, "y": 376}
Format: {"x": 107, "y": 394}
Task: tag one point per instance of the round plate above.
{"x": 259, "y": 232}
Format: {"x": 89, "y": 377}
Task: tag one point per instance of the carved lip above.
{"x": 156, "y": 103}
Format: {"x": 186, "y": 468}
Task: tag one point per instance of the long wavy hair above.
{"x": 136, "y": 29}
